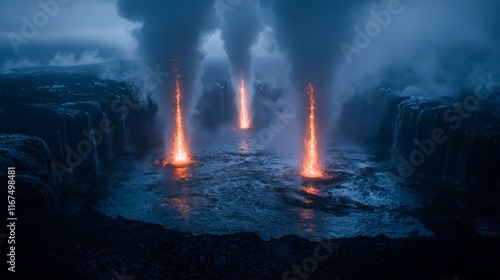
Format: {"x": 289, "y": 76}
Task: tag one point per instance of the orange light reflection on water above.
{"x": 181, "y": 173}
{"x": 311, "y": 190}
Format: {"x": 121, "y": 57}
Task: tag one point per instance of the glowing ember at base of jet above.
{"x": 311, "y": 167}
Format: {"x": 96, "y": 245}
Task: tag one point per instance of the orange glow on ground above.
{"x": 244, "y": 116}
{"x": 311, "y": 166}
{"x": 311, "y": 190}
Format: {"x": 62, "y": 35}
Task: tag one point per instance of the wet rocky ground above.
{"x": 46, "y": 111}
{"x": 89, "y": 245}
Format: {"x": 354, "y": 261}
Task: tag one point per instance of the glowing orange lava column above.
{"x": 244, "y": 118}
{"x": 180, "y": 153}
{"x": 311, "y": 167}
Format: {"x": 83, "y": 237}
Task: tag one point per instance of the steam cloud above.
{"x": 239, "y": 33}
{"x": 430, "y": 47}
{"x": 308, "y": 33}
{"x": 171, "y": 37}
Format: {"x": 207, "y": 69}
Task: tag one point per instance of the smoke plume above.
{"x": 308, "y": 34}
{"x": 240, "y": 31}
{"x": 170, "y": 39}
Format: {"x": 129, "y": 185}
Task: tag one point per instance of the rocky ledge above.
{"x": 90, "y": 245}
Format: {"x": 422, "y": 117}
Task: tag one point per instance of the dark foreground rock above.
{"x": 89, "y": 245}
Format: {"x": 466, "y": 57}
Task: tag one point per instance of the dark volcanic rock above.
{"x": 470, "y": 155}
{"x": 90, "y": 245}
{"x": 35, "y": 182}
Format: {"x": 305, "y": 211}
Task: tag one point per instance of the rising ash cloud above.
{"x": 170, "y": 37}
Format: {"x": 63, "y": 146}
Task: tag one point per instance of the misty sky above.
{"x": 426, "y": 32}
{"x": 82, "y": 31}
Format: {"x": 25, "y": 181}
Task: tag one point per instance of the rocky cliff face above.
{"x": 82, "y": 122}
{"x": 36, "y": 185}
{"x": 456, "y": 138}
